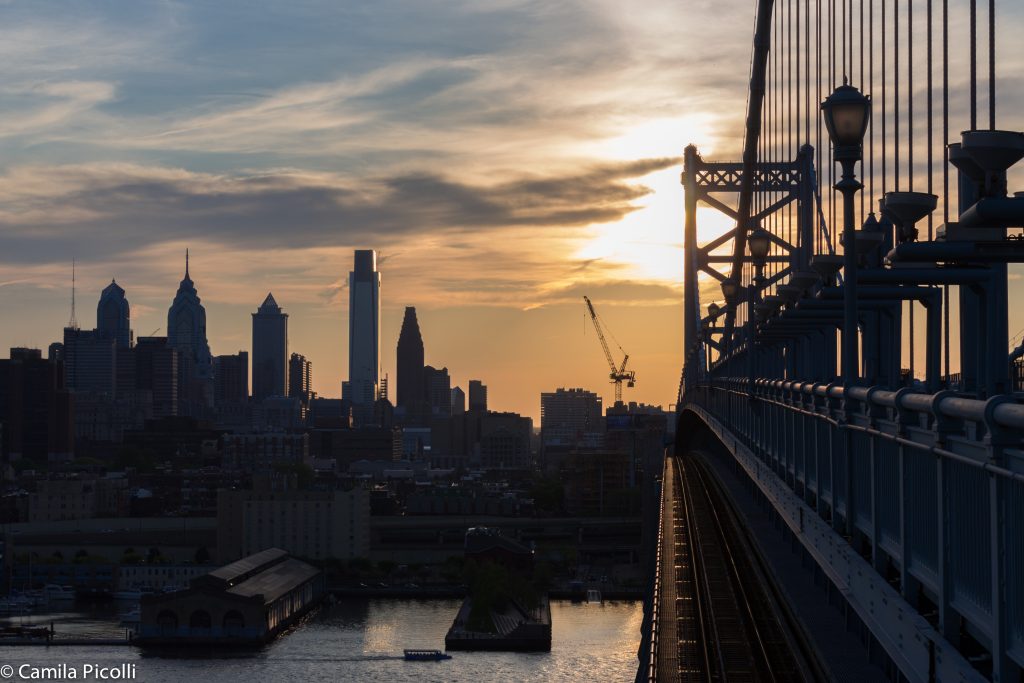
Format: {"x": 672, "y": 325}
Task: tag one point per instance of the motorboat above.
{"x": 425, "y": 655}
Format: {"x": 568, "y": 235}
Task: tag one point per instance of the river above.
{"x": 362, "y": 640}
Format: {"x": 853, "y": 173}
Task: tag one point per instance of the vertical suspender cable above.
{"x": 974, "y": 64}
{"x": 945, "y": 156}
{"x": 896, "y": 93}
{"x": 871, "y": 88}
{"x": 992, "y": 64}
{"x": 931, "y": 167}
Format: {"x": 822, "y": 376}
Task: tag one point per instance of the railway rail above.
{"x": 729, "y": 623}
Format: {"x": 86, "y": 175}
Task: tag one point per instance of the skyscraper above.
{"x": 156, "y": 370}
{"x": 186, "y": 333}
{"x": 231, "y": 378}
{"x": 477, "y": 395}
{"x": 410, "y": 362}
{"x": 458, "y": 401}
{"x": 90, "y": 361}
{"x": 269, "y": 350}
{"x": 113, "y": 316}
{"x": 437, "y": 391}
{"x": 363, "y": 334}
{"x": 300, "y": 378}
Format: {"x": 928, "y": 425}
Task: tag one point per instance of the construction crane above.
{"x": 618, "y": 374}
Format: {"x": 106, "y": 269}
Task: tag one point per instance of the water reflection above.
{"x": 362, "y": 640}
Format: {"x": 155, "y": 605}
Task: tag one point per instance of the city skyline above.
{"x": 331, "y": 386}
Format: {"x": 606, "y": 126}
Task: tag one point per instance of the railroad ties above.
{"x": 727, "y": 625}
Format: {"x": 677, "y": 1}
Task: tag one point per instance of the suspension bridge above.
{"x": 845, "y": 498}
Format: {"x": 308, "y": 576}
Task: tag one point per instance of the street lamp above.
{"x": 730, "y": 290}
{"x": 759, "y": 243}
{"x": 847, "y": 112}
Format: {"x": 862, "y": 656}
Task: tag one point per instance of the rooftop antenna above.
{"x": 73, "y": 323}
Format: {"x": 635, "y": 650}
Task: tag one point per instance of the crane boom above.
{"x": 617, "y": 374}
{"x": 600, "y": 335}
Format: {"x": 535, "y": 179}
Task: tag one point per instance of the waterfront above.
{"x": 362, "y": 640}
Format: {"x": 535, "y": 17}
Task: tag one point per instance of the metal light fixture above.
{"x": 759, "y": 242}
{"x": 713, "y": 310}
{"x": 730, "y": 290}
{"x": 846, "y": 112}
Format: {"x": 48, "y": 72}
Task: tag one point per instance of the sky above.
{"x": 504, "y": 158}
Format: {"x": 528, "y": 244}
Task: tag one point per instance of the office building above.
{"x": 113, "y": 316}
{"x": 363, "y": 334}
{"x": 300, "y": 378}
{"x": 231, "y": 378}
{"x": 90, "y": 361}
{"x": 571, "y": 418}
{"x": 477, "y": 395}
{"x": 36, "y": 409}
{"x": 156, "y": 371}
{"x": 186, "y": 333}
{"x": 458, "y": 401}
{"x": 269, "y": 350}
{"x": 437, "y": 391}
{"x": 410, "y": 362}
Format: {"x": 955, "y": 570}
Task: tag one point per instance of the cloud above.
{"x": 104, "y": 210}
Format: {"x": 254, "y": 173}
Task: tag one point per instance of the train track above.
{"x": 728, "y": 622}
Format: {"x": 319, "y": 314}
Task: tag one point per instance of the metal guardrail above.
{"x": 928, "y": 486}
{"x": 655, "y": 615}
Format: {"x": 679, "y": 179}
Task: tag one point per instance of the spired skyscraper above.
{"x": 269, "y": 350}
{"x": 410, "y": 363}
{"x": 186, "y": 333}
{"x": 363, "y": 336}
{"x": 113, "y": 316}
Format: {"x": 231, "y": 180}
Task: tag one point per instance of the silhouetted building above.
{"x": 504, "y": 441}
{"x": 231, "y": 378}
{"x": 477, "y": 395}
{"x": 571, "y": 418}
{"x": 269, "y": 350}
{"x": 437, "y": 391}
{"x": 363, "y": 335}
{"x": 311, "y": 524}
{"x": 36, "y": 409}
{"x": 90, "y": 361}
{"x": 55, "y": 351}
{"x": 300, "y": 378}
{"x": 156, "y": 371}
{"x": 410, "y": 362}
{"x": 458, "y": 401}
{"x": 186, "y": 333}
{"x": 113, "y": 316}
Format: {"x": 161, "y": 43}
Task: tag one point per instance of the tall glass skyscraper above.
{"x": 269, "y": 350}
{"x": 363, "y": 335}
{"x": 113, "y": 316}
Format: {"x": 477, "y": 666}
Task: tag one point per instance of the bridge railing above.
{"x": 929, "y": 488}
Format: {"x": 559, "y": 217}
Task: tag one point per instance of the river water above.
{"x": 362, "y": 640}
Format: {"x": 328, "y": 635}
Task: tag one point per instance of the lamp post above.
{"x": 759, "y": 243}
{"x": 847, "y": 112}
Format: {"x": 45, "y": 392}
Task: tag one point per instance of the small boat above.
{"x": 425, "y": 656}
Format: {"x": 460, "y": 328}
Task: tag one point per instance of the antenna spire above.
{"x": 73, "y": 323}
{"x": 186, "y": 263}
